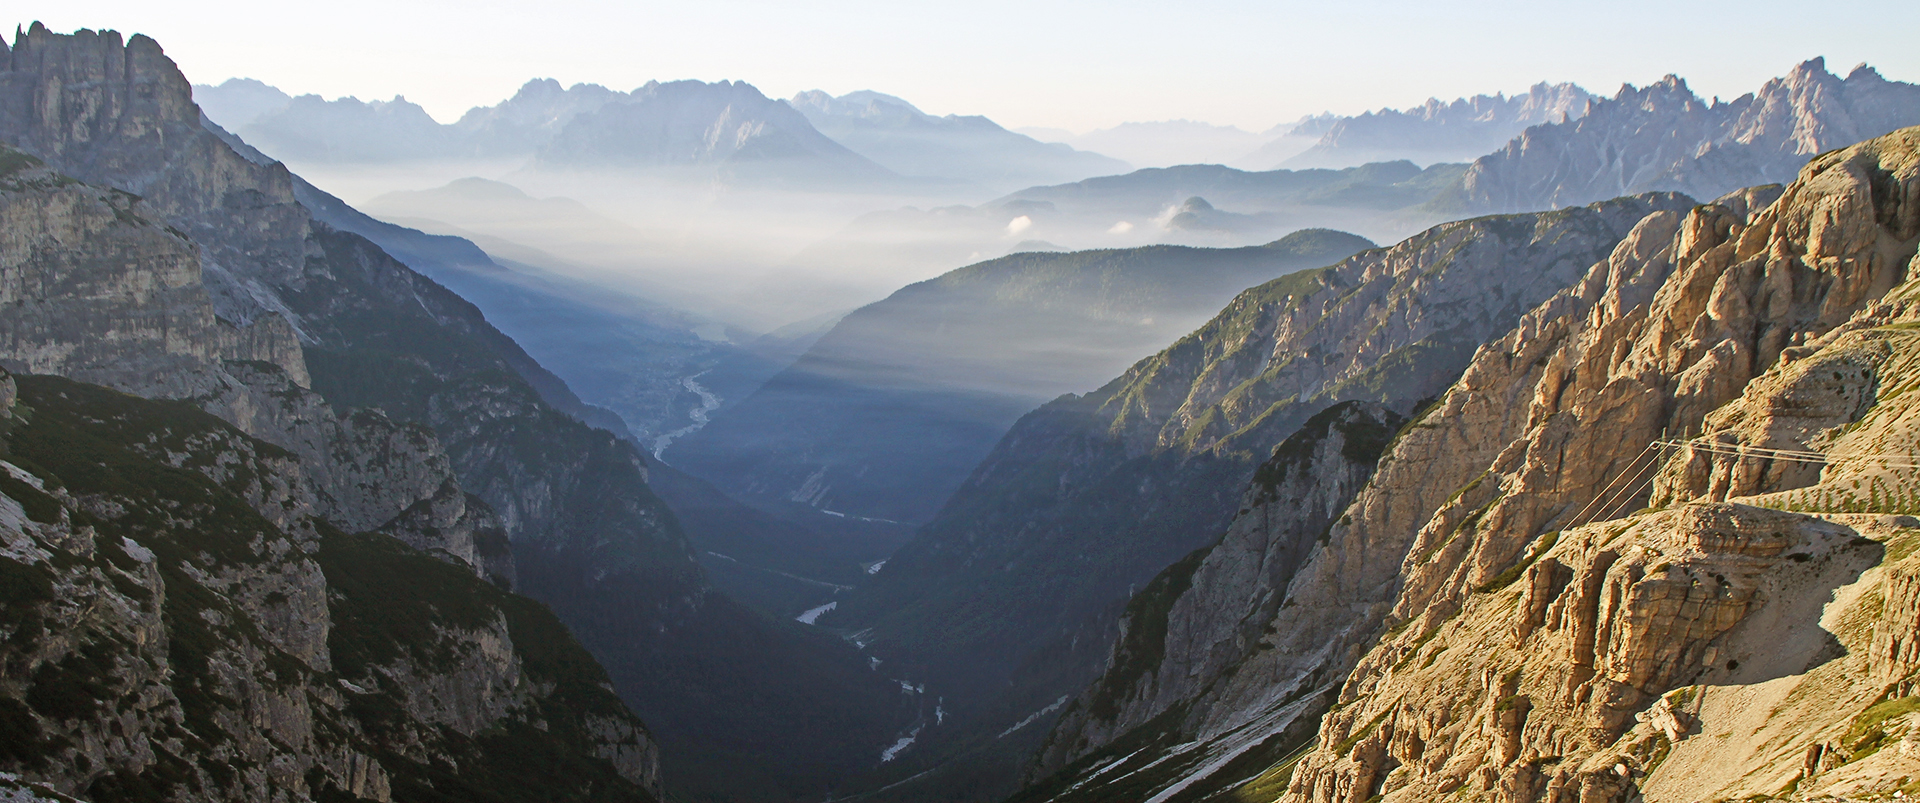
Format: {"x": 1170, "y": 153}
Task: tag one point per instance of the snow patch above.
{"x": 1033, "y": 716}
{"x": 839, "y": 515}
{"x": 904, "y": 743}
{"x": 813, "y": 614}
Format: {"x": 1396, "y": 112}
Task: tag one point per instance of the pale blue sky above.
{"x": 1075, "y": 65}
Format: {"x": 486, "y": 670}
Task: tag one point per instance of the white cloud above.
{"x": 1019, "y": 224}
{"x": 1121, "y": 228}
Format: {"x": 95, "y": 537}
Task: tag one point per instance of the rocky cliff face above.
{"x": 181, "y": 624}
{"x": 588, "y": 536}
{"x": 101, "y": 294}
{"x": 1614, "y": 628}
{"x": 1663, "y": 137}
{"x": 1516, "y": 631}
{"x": 1089, "y": 496}
{"x": 1280, "y": 679}
{"x": 1207, "y": 619}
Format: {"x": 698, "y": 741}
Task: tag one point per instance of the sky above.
{"x": 1075, "y": 65}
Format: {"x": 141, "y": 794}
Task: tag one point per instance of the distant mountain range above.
{"x": 725, "y": 126}
{"x": 1434, "y": 131}
{"x": 1665, "y": 137}
{"x": 729, "y": 126}
{"x": 1201, "y": 205}
{"x": 689, "y": 123}
{"x": 908, "y": 141}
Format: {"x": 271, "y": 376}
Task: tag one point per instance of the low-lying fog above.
{"x": 738, "y": 209}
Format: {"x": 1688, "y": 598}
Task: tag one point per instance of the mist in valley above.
{"x": 959, "y": 433}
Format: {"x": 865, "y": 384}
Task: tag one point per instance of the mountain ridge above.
{"x": 885, "y": 414}
{"x": 1664, "y": 137}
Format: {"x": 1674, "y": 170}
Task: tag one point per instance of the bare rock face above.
{"x": 178, "y": 624}
{"x": 186, "y": 618}
{"x": 1122, "y": 482}
{"x": 1499, "y": 615}
{"x": 1335, "y": 602}
{"x": 1579, "y": 678}
{"x": 97, "y": 292}
{"x": 1670, "y": 340}
{"x": 119, "y": 113}
{"x": 1412, "y": 311}
{"x": 1663, "y": 137}
{"x": 15, "y": 790}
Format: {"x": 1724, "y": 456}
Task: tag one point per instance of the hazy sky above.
{"x": 1070, "y": 64}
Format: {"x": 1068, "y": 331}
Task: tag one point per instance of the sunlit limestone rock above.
{"x": 1498, "y": 614}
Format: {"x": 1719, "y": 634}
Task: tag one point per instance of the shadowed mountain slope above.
{"x": 1088, "y": 497}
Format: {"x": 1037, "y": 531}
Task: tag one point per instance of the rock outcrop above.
{"x": 1491, "y": 615}
{"x": 1086, "y": 498}
{"x": 1663, "y": 137}
{"x": 1598, "y": 611}
{"x": 98, "y": 293}
{"x": 1207, "y": 619}
{"x": 181, "y": 624}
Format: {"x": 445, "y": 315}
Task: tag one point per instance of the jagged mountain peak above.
{"x": 1664, "y": 137}
{"x": 1435, "y": 131}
